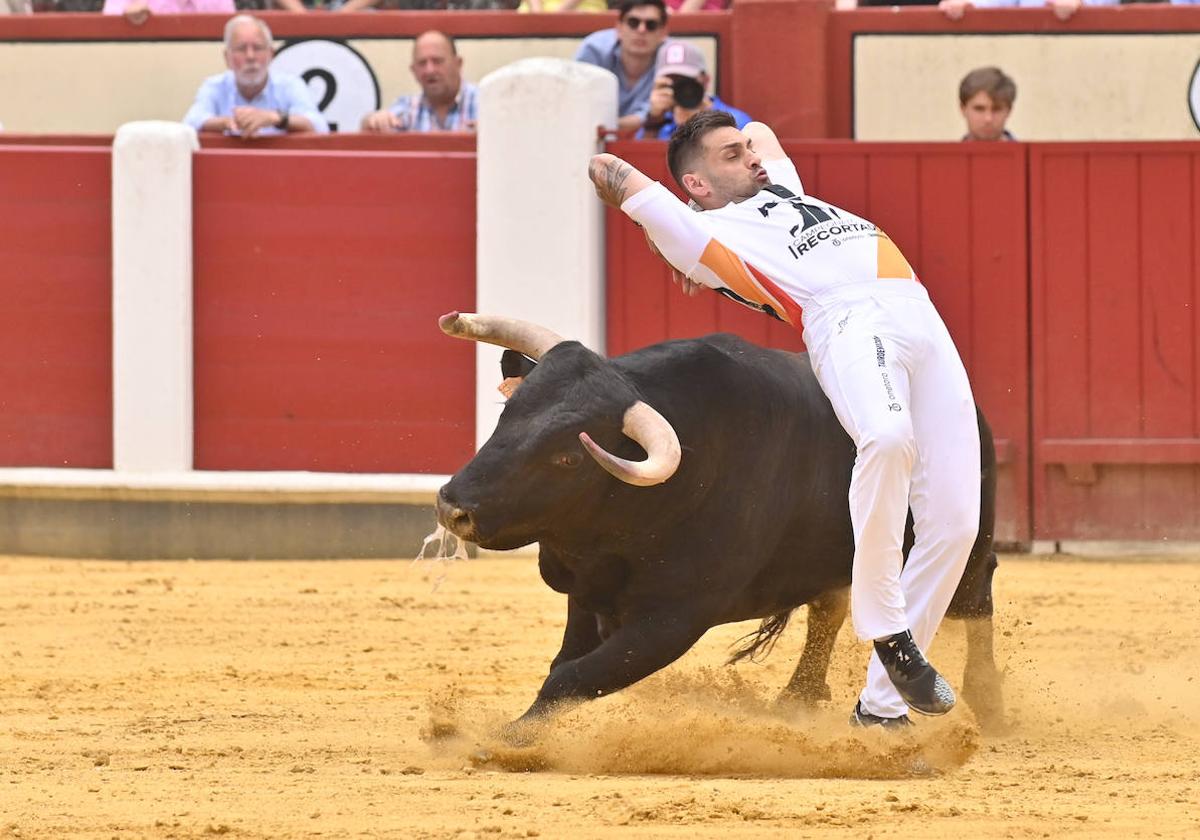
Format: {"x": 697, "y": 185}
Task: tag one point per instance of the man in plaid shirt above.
{"x": 445, "y": 103}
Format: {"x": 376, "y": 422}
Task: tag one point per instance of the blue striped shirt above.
{"x": 417, "y": 114}
{"x": 219, "y": 95}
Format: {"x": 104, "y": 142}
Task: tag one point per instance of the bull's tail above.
{"x": 758, "y": 645}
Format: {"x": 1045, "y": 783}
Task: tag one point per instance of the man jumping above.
{"x": 881, "y": 353}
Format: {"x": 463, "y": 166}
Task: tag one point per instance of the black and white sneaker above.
{"x": 920, "y": 686}
{"x": 862, "y": 718}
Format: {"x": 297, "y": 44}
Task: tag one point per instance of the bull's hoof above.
{"x": 522, "y": 732}
{"x": 803, "y": 697}
{"x": 987, "y": 702}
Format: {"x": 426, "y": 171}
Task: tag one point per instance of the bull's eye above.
{"x": 568, "y": 459}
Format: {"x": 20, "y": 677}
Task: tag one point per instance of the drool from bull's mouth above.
{"x": 447, "y": 548}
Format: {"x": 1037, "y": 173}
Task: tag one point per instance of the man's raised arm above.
{"x": 615, "y": 180}
{"x": 765, "y": 143}
{"x": 768, "y": 148}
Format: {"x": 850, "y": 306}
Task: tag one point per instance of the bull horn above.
{"x": 655, "y": 434}
{"x": 522, "y": 336}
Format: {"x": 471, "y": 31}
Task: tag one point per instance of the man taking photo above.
{"x": 680, "y": 84}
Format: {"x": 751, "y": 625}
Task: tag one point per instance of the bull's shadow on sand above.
{"x": 702, "y": 723}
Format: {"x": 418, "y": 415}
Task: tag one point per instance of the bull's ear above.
{"x": 514, "y": 365}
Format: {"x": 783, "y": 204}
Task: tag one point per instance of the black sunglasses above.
{"x": 649, "y": 24}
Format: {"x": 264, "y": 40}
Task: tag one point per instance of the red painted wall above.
{"x": 56, "y": 319}
{"x": 957, "y": 211}
{"x": 319, "y": 277}
{"x": 1115, "y": 265}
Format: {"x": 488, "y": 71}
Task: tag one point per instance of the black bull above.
{"x": 754, "y": 523}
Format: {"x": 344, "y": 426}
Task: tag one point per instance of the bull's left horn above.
{"x": 655, "y": 434}
{"x": 524, "y": 337}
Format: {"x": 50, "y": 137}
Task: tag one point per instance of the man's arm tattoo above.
{"x": 609, "y": 178}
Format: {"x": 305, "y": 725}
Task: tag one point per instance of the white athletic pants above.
{"x": 888, "y": 365}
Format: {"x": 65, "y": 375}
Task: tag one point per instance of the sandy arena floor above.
{"x": 280, "y": 700}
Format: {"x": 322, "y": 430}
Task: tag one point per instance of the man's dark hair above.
{"x": 991, "y": 80}
{"x": 688, "y": 140}
{"x": 629, "y": 5}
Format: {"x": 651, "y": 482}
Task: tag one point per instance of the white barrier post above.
{"x": 540, "y": 227}
{"x": 152, "y": 296}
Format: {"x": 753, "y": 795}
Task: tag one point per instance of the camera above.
{"x": 688, "y": 92}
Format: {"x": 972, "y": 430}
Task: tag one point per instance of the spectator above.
{"x": 986, "y": 97}
{"x": 16, "y": 7}
{"x": 628, "y": 51}
{"x": 138, "y": 12}
{"x": 248, "y": 99}
{"x": 563, "y": 6}
{"x": 697, "y": 5}
{"x": 445, "y": 103}
{"x": 843, "y": 5}
{"x": 680, "y": 82}
{"x": 1063, "y": 9}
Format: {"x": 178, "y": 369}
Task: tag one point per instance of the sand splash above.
{"x": 709, "y": 723}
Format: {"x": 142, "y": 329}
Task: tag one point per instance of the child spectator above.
{"x": 986, "y": 97}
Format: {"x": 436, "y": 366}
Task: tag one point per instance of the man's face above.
{"x": 633, "y": 30}
{"x": 436, "y": 68}
{"x": 985, "y": 117}
{"x": 728, "y": 169}
{"x": 248, "y": 55}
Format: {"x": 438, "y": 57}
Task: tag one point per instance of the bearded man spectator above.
{"x": 248, "y": 99}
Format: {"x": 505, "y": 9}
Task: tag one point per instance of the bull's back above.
{"x": 756, "y": 427}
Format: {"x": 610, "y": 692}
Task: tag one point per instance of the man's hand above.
{"x": 250, "y": 121}
{"x": 954, "y": 9}
{"x": 690, "y": 287}
{"x": 224, "y": 125}
{"x": 662, "y": 100}
{"x": 137, "y": 12}
{"x": 382, "y": 122}
{"x": 611, "y": 176}
{"x": 1063, "y": 9}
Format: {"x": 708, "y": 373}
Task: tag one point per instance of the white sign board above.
{"x": 340, "y": 80}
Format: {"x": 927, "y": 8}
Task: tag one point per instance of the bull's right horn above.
{"x": 513, "y": 333}
{"x": 655, "y": 434}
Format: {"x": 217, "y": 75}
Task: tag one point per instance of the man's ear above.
{"x": 696, "y": 186}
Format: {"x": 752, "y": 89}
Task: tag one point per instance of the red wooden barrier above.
{"x": 56, "y": 321}
{"x": 1115, "y": 259}
{"x": 957, "y": 211}
{"x": 319, "y": 277}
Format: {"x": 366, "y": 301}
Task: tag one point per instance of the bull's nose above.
{"x": 454, "y": 518}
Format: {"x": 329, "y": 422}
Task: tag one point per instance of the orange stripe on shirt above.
{"x": 891, "y": 263}
{"x": 791, "y": 312}
{"x": 746, "y": 281}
